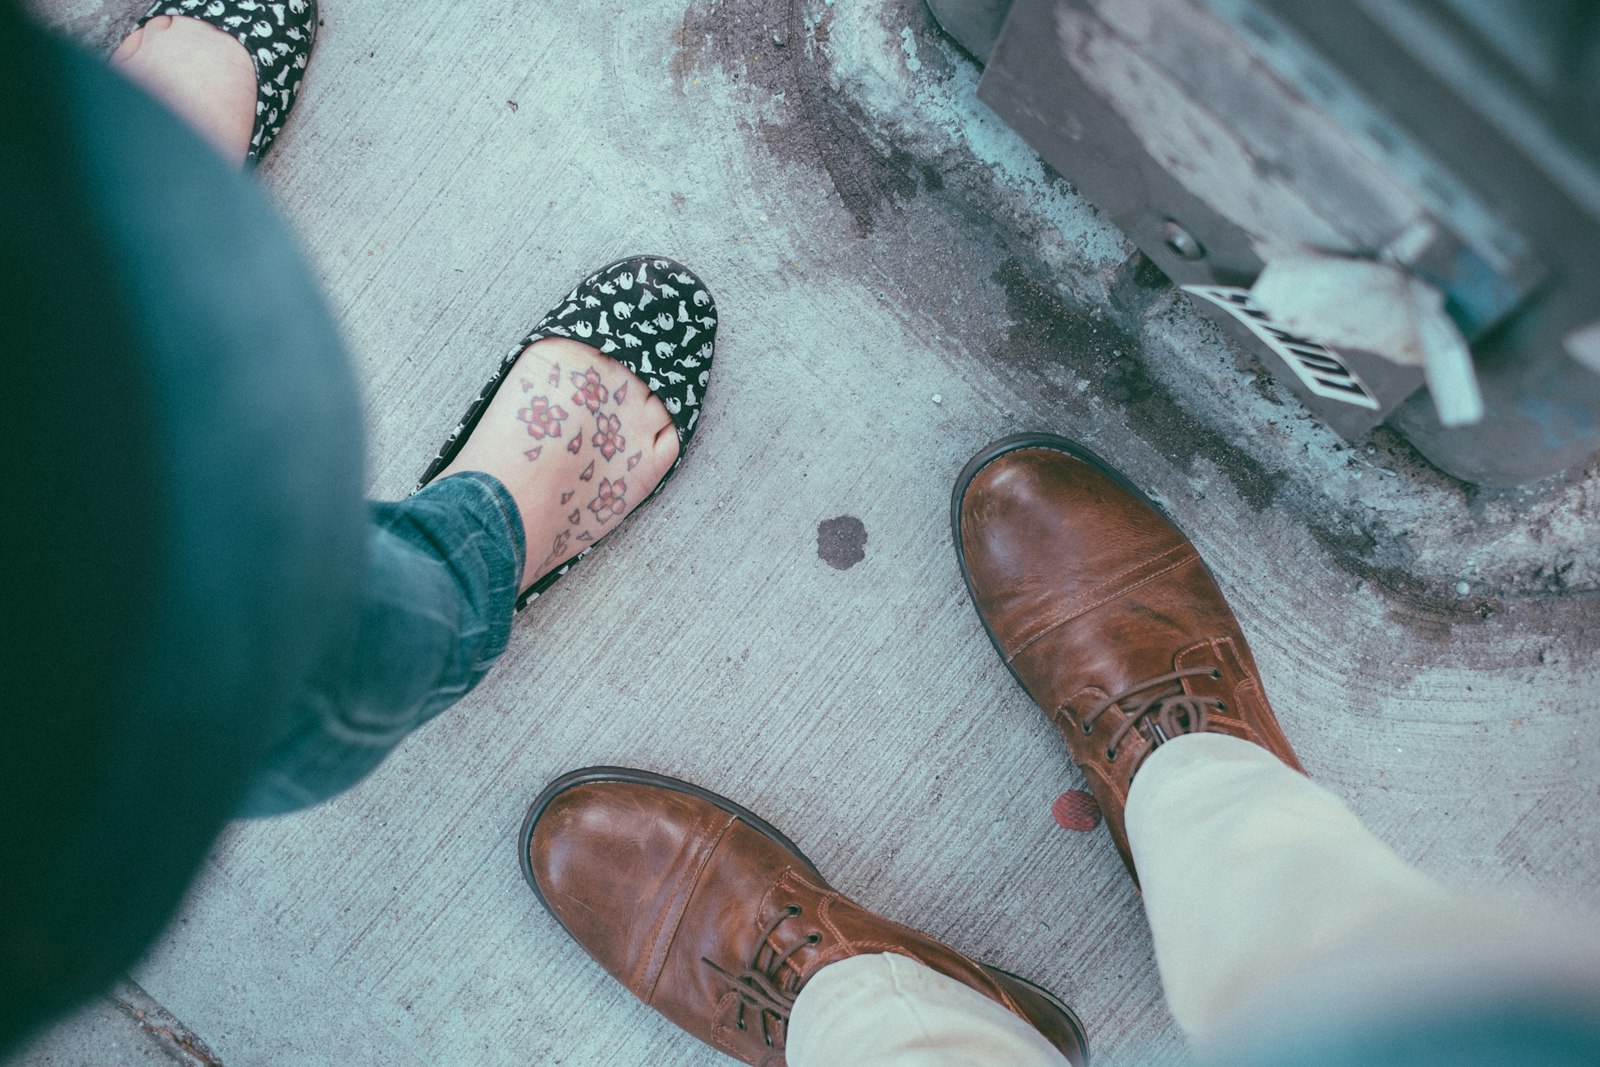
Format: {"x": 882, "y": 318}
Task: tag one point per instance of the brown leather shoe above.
{"x": 1103, "y": 611}
{"x": 714, "y": 918}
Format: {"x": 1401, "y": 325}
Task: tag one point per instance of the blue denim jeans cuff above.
{"x": 443, "y": 573}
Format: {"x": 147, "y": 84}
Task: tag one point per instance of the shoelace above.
{"x": 1169, "y": 709}
{"x": 758, "y": 984}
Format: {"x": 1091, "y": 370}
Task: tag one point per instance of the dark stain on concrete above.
{"x": 842, "y": 542}
{"x": 1047, "y": 328}
{"x": 1137, "y": 284}
{"x": 822, "y": 128}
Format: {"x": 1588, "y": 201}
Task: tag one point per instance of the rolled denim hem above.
{"x": 491, "y": 503}
{"x": 440, "y": 593}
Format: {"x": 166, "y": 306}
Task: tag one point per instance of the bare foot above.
{"x": 201, "y": 73}
{"x": 578, "y": 440}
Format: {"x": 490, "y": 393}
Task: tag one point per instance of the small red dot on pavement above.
{"x": 1076, "y": 810}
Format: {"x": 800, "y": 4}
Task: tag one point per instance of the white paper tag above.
{"x": 1319, "y": 368}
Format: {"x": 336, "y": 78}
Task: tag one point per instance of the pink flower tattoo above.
{"x": 591, "y": 391}
{"x": 610, "y": 501}
{"x": 607, "y": 436}
{"x": 543, "y": 418}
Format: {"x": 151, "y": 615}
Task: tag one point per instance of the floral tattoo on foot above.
{"x": 591, "y": 391}
{"x": 608, "y": 436}
{"x": 558, "y": 547}
{"x": 610, "y": 501}
{"x": 542, "y": 418}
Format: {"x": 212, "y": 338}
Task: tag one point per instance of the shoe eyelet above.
{"x": 813, "y": 939}
{"x": 1087, "y": 728}
{"x": 1216, "y": 674}
{"x": 1111, "y": 754}
{"x": 741, "y": 1024}
{"x": 794, "y": 909}
{"x": 1222, "y": 705}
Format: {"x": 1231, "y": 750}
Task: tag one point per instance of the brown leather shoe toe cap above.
{"x": 614, "y": 861}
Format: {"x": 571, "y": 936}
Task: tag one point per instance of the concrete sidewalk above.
{"x": 900, "y": 282}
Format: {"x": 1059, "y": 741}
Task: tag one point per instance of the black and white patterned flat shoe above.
{"x": 277, "y": 34}
{"x": 650, "y": 314}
